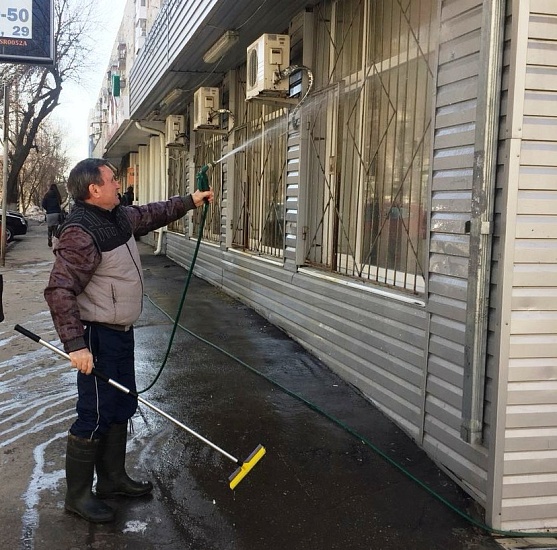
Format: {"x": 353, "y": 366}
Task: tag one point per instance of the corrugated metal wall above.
{"x": 405, "y": 357}
{"x": 527, "y": 280}
{"x": 451, "y": 196}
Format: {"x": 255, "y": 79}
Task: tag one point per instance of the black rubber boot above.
{"x": 112, "y": 479}
{"x": 80, "y": 466}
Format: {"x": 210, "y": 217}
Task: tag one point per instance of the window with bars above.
{"x": 259, "y": 179}
{"x": 369, "y": 134}
{"x": 209, "y": 148}
{"x": 177, "y": 178}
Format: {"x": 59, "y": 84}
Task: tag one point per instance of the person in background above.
{"x": 95, "y": 294}
{"x": 128, "y": 196}
{"x": 52, "y": 204}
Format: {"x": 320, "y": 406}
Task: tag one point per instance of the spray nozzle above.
{"x": 207, "y": 167}
{"x": 202, "y": 179}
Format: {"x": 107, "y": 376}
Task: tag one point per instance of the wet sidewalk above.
{"x": 337, "y": 473}
{"x": 319, "y": 486}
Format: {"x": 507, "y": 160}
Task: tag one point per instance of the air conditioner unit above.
{"x": 266, "y": 57}
{"x": 205, "y": 105}
{"x": 175, "y": 129}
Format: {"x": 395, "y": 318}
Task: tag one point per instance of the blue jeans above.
{"x": 99, "y": 405}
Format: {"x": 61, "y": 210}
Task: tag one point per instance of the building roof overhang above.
{"x": 172, "y": 58}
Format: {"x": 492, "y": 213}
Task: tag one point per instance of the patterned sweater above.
{"x": 97, "y": 273}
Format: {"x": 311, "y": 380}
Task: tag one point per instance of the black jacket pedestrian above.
{"x": 52, "y": 200}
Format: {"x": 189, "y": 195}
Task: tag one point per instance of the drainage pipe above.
{"x": 481, "y": 222}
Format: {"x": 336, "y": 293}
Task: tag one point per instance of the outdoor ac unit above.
{"x": 267, "y": 56}
{"x": 175, "y": 129}
{"x": 205, "y": 105}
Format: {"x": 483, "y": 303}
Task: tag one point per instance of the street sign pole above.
{"x": 5, "y": 173}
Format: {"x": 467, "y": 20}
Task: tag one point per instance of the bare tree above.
{"x": 37, "y": 89}
{"x": 47, "y": 163}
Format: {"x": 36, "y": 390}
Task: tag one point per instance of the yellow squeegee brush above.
{"x": 245, "y": 467}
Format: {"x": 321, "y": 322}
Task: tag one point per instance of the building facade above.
{"x": 385, "y": 193}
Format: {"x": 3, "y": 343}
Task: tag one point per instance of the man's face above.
{"x": 105, "y": 195}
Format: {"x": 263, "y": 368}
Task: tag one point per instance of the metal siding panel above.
{"x": 531, "y": 439}
{"x": 543, "y": 6}
{"x": 543, "y": 27}
{"x": 450, "y": 201}
{"x": 450, "y": 376}
{"x": 532, "y": 393}
{"x": 540, "y": 53}
{"x": 457, "y": 92}
{"x": 529, "y": 509}
{"x": 453, "y": 162}
{"x": 538, "y": 177}
{"x": 461, "y": 46}
{"x": 529, "y": 486}
{"x": 449, "y": 265}
{"x": 541, "y": 79}
{"x": 447, "y": 307}
{"x": 447, "y": 329}
{"x": 539, "y": 299}
{"x": 532, "y": 227}
{"x": 531, "y": 416}
{"x": 445, "y": 392}
{"x": 540, "y": 103}
{"x": 455, "y": 136}
{"x": 449, "y": 223}
{"x": 452, "y": 180}
{"x": 450, "y": 245}
{"x": 459, "y": 466}
{"x": 442, "y": 413}
{"x": 449, "y": 113}
{"x": 442, "y": 433}
{"x": 534, "y": 322}
{"x": 453, "y": 158}
{"x": 459, "y": 20}
{"x": 453, "y": 358}
{"x": 523, "y": 346}
{"x": 458, "y": 70}
{"x": 538, "y": 368}
{"x": 537, "y": 203}
{"x": 540, "y": 128}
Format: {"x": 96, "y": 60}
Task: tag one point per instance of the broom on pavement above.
{"x": 243, "y": 467}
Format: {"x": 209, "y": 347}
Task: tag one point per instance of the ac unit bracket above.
{"x": 212, "y": 131}
{"x": 280, "y": 101}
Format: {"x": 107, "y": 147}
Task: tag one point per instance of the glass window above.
{"x": 369, "y": 134}
{"x": 259, "y": 178}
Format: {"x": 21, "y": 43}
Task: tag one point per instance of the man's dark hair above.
{"x": 83, "y": 174}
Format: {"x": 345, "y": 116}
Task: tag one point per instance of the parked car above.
{"x": 16, "y": 224}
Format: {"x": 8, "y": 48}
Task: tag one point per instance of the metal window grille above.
{"x": 260, "y": 179}
{"x": 209, "y": 148}
{"x": 177, "y": 182}
{"x": 369, "y": 132}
